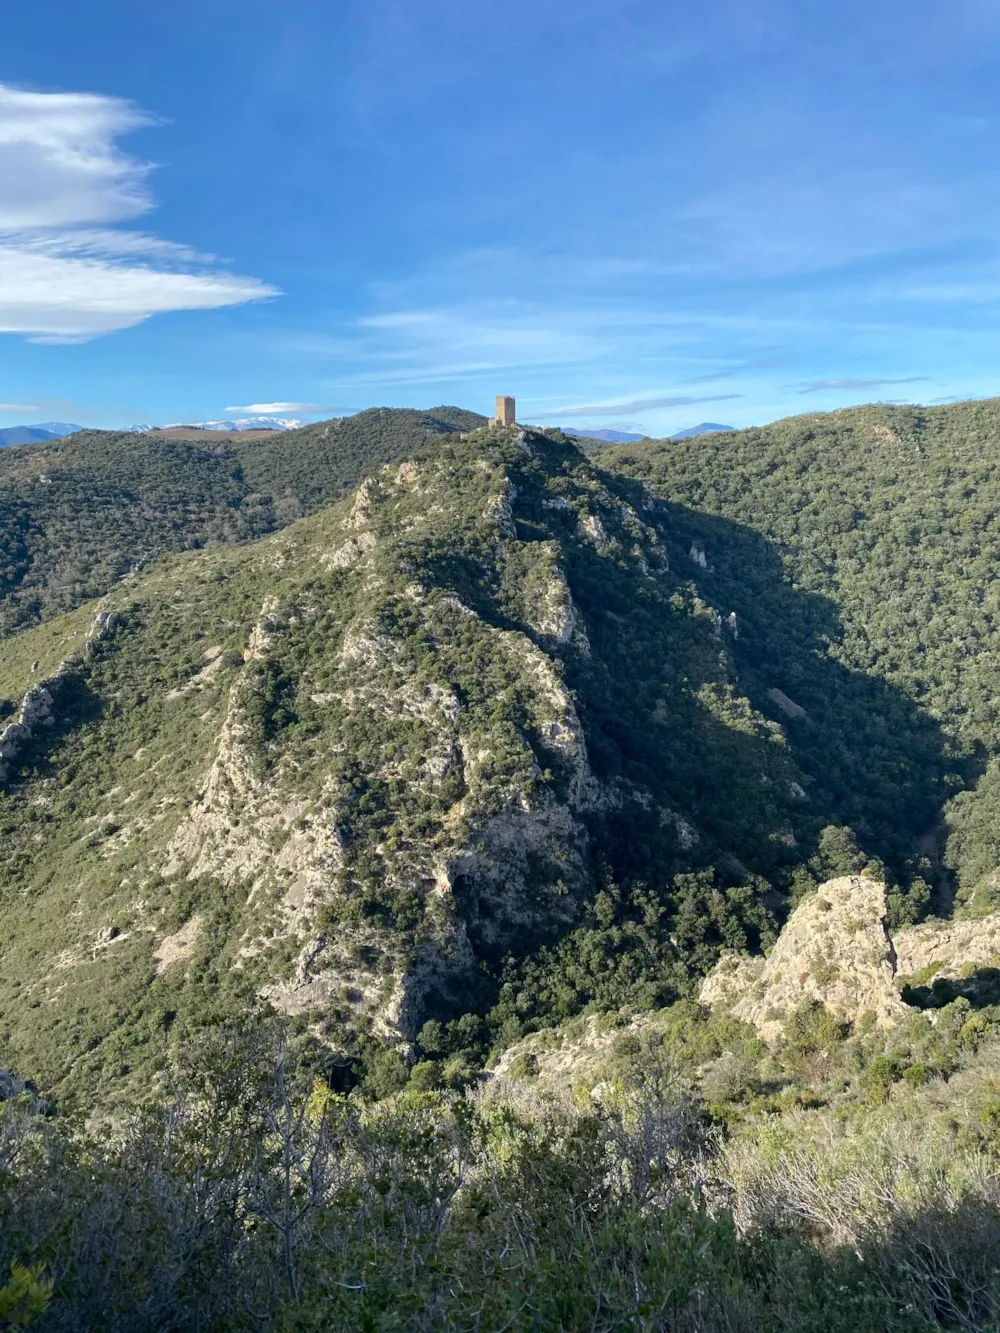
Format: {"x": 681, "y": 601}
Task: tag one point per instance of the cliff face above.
{"x": 354, "y": 769}
{"x": 836, "y": 950}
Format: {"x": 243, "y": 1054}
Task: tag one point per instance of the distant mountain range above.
{"x": 48, "y": 430}
{"x": 624, "y": 437}
{"x": 704, "y": 428}
{"x": 42, "y": 430}
{"x": 608, "y": 436}
{"x": 239, "y": 423}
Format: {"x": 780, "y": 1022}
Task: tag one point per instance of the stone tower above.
{"x": 504, "y": 410}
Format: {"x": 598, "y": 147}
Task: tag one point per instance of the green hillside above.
{"x": 76, "y": 514}
{"x": 884, "y": 521}
{"x": 382, "y": 759}
{"x": 567, "y": 725}
{"x": 365, "y": 851}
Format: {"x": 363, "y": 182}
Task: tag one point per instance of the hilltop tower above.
{"x": 504, "y": 411}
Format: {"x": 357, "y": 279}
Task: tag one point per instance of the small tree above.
{"x": 25, "y": 1297}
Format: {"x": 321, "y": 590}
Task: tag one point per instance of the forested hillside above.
{"x": 76, "y": 514}
{"x": 374, "y": 764}
{"x": 361, "y": 879}
{"x": 885, "y": 522}
{"x": 502, "y": 737}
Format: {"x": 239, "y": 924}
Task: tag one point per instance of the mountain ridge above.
{"x": 77, "y": 514}
{"x": 375, "y": 759}
{"x": 500, "y": 734}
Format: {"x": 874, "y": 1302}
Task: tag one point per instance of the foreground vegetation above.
{"x": 249, "y": 1196}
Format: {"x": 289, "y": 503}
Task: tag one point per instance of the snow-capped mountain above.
{"x": 251, "y": 423}
{"x": 56, "y": 427}
{"x": 237, "y": 423}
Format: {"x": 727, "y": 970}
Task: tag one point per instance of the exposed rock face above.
{"x": 35, "y": 711}
{"x": 948, "y": 948}
{"x": 836, "y": 949}
{"x": 177, "y": 947}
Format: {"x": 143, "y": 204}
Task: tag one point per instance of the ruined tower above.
{"x": 504, "y": 411}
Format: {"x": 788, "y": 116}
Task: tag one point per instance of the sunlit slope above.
{"x": 76, "y": 514}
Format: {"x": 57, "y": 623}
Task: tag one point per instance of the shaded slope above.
{"x": 77, "y": 514}
{"x": 891, "y": 513}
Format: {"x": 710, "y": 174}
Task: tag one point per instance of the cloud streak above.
{"x": 821, "y": 386}
{"x": 635, "y": 405}
{"x": 66, "y": 274}
{"x": 271, "y": 409}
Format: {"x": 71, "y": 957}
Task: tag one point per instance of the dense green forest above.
{"x": 77, "y": 513}
{"x": 885, "y": 521}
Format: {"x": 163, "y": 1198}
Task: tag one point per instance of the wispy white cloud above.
{"x": 8, "y": 408}
{"x": 59, "y": 162}
{"x": 59, "y": 299}
{"x": 637, "y": 405}
{"x": 107, "y": 243}
{"x": 273, "y": 409}
{"x": 484, "y": 338}
{"x": 550, "y": 336}
{"x": 820, "y": 386}
{"x": 65, "y": 274}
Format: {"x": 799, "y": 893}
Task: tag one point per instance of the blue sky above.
{"x": 629, "y": 214}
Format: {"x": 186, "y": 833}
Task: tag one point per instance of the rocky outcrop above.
{"x": 178, "y": 947}
{"x": 474, "y": 873}
{"x": 35, "y": 712}
{"x": 836, "y": 950}
{"x": 947, "y": 949}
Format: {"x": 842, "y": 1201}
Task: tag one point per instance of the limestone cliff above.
{"x": 836, "y": 950}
